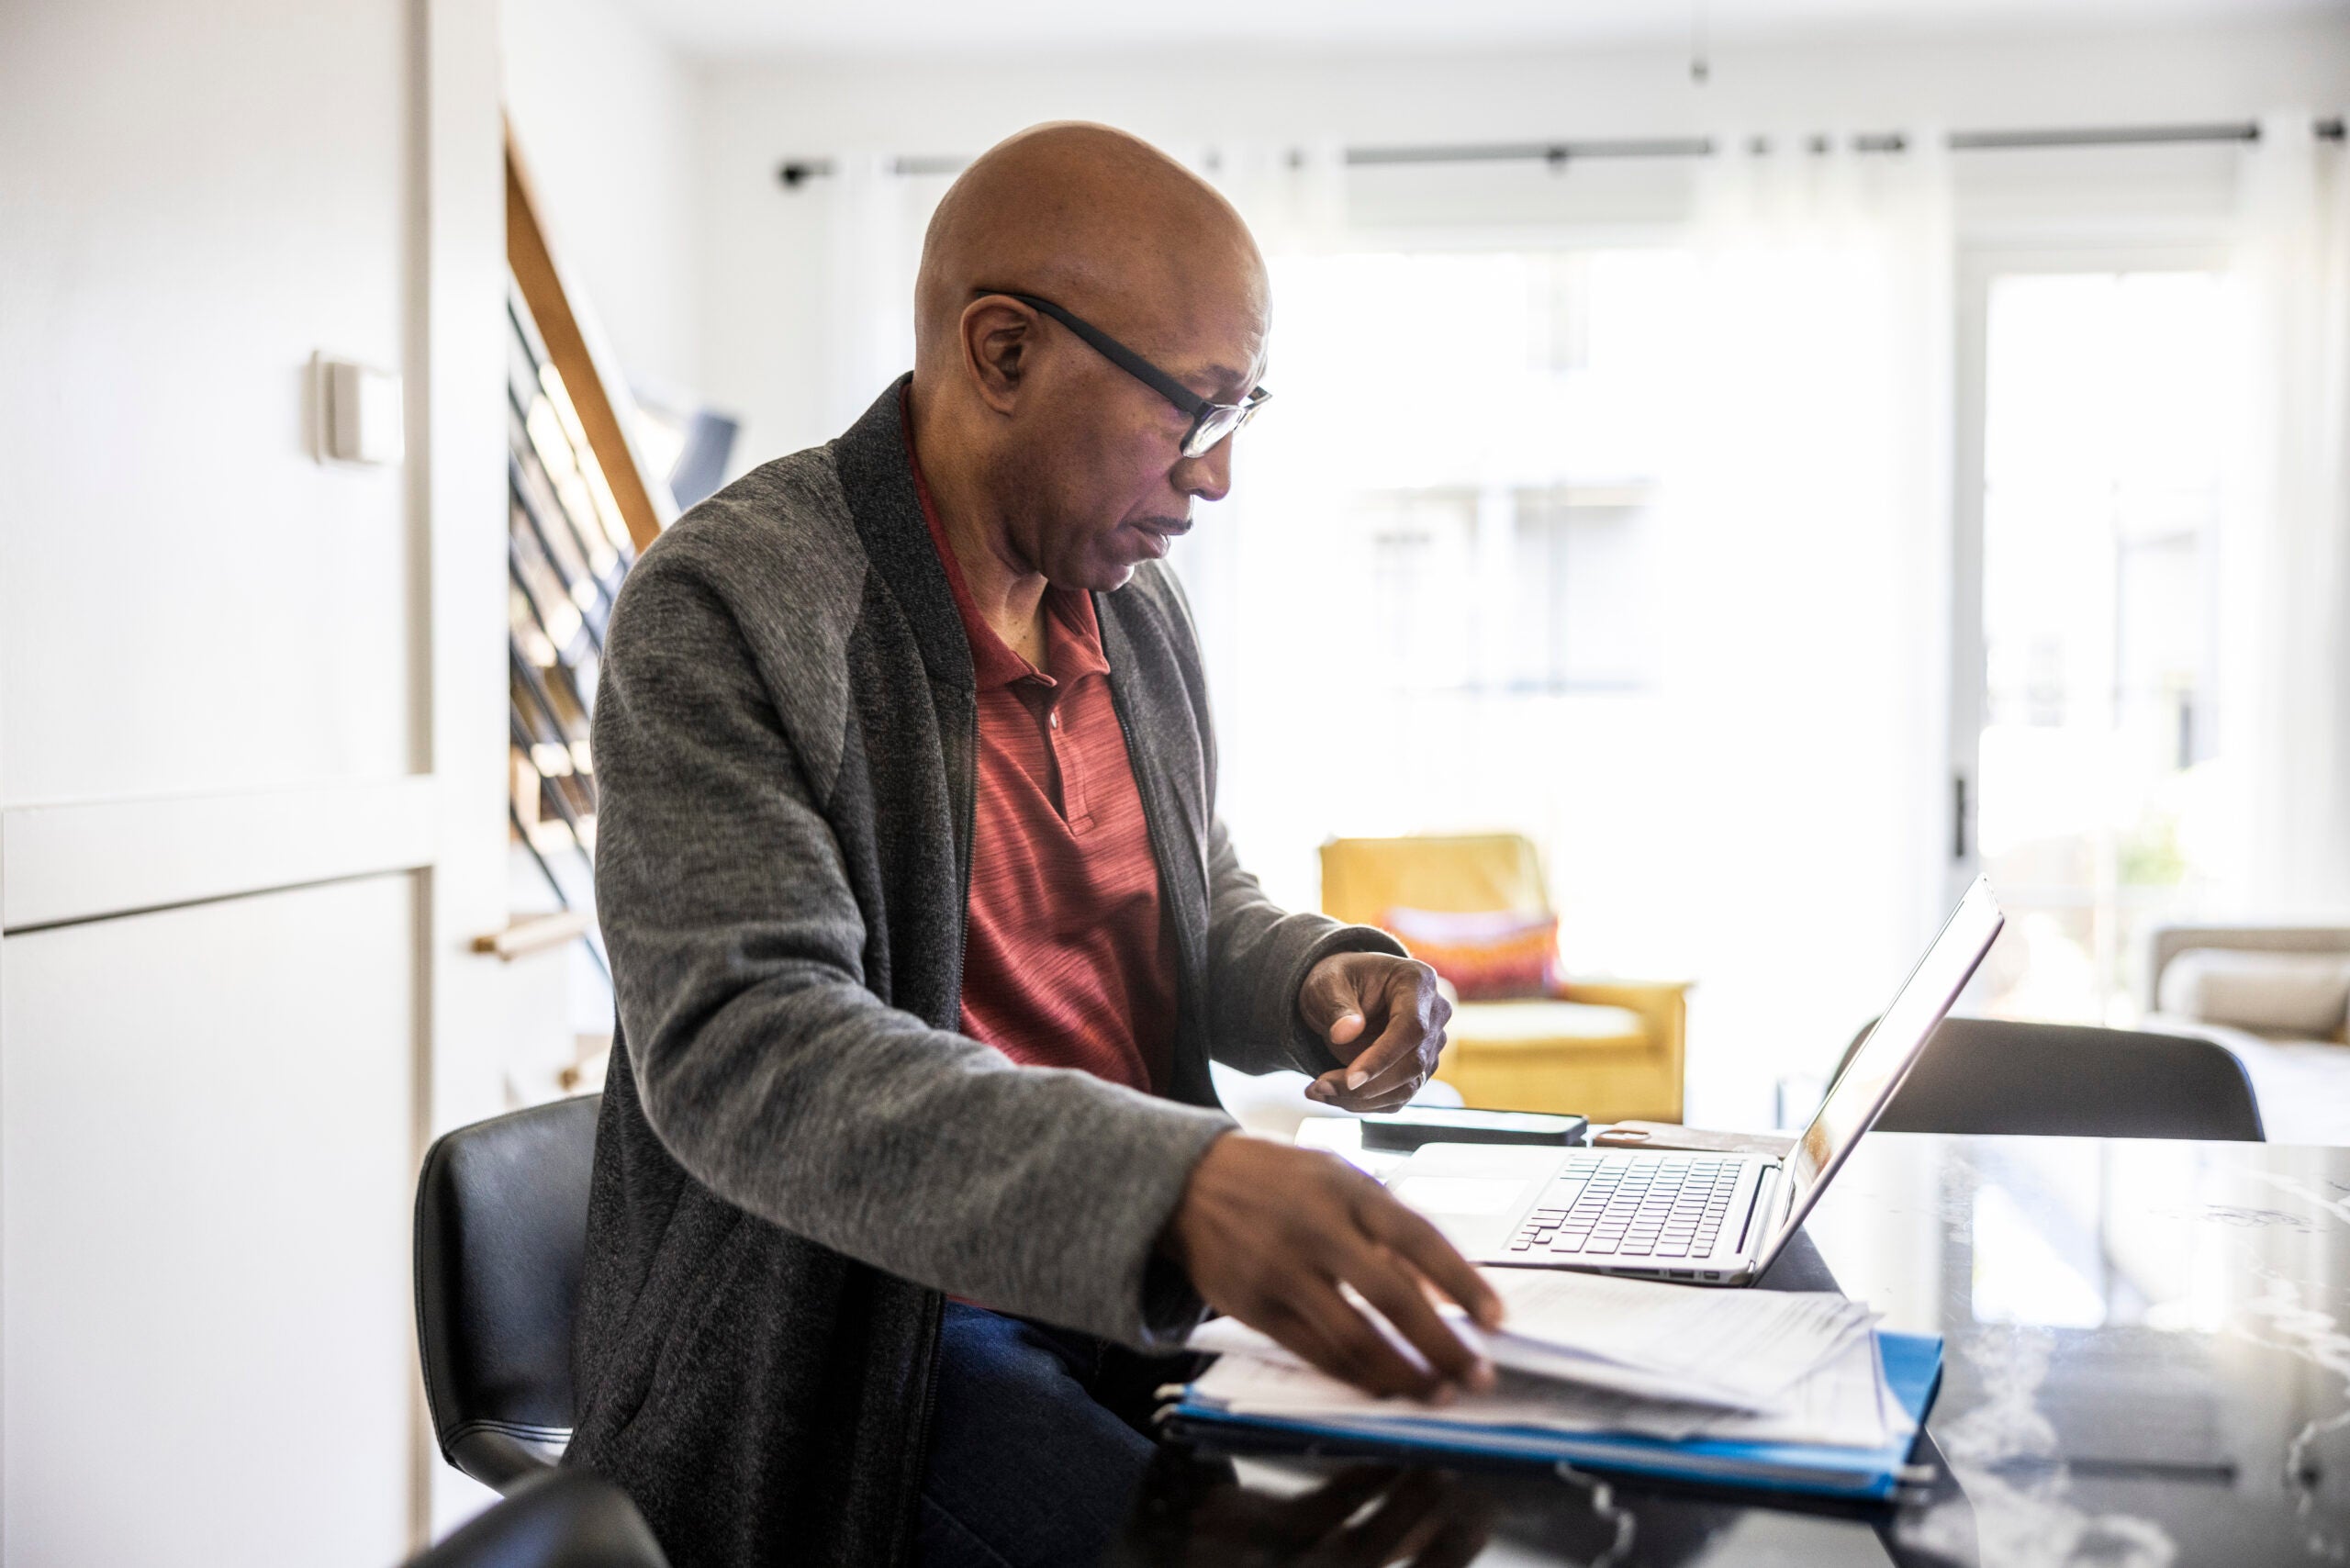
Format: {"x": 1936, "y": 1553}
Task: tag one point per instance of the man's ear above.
{"x": 999, "y": 338}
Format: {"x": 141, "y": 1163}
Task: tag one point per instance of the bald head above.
{"x": 1093, "y": 218}
{"x": 1046, "y": 456}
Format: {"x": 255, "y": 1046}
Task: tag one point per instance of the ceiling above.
{"x": 733, "y": 27}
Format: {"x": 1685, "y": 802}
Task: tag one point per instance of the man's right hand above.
{"x": 1268, "y": 1233}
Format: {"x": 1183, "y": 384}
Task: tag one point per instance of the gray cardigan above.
{"x": 798, "y": 1153}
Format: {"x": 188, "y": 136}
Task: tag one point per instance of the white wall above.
{"x": 251, "y": 758}
{"x": 764, "y": 251}
{"x": 604, "y": 113}
{"x": 180, "y": 255}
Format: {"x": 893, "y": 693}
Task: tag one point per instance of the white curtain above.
{"x": 1808, "y": 676}
{"x": 1295, "y": 206}
{"x": 2285, "y": 715}
{"x": 874, "y": 219}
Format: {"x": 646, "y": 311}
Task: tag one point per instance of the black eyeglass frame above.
{"x": 1211, "y": 421}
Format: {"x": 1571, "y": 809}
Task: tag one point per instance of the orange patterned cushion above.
{"x": 1487, "y": 957}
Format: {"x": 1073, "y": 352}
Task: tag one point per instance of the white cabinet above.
{"x": 207, "y": 1131}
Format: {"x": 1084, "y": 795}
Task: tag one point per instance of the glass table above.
{"x": 2146, "y": 1363}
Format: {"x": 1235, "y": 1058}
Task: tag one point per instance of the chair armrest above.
{"x": 1638, "y": 995}
{"x": 568, "y": 1516}
{"x": 504, "y": 1457}
{"x": 1662, "y": 1005}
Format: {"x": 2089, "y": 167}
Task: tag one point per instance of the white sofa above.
{"x": 2300, "y": 1073}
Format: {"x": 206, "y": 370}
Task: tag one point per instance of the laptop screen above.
{"x": 1867, "y": 1083}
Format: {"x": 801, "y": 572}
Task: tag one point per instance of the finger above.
{"x": 1371, "y": 1101}
{"x": 1345, "y": 1346}
{"x": 1391, "y": 1287}
{"x": 1424, "y": 1247}
{"x": 1413, "y": 1068}
{"x": 1331, "y": 1087}
{"x": 1412, "y": 1508}
{"x": 1302, "y": 1520}
{"x": 1467, "y": 1528}
{"x": 1403, "y": 1075}
{"x": 1402, "y": 1057}
{"x": 1331, "y": 1001}
{"x": 1458, "y": 1543}
{"x": 1410, "y": 1007}
{"x": 1397, "y": 1048}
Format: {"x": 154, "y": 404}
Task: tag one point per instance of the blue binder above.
{"x": 1913, "y": 1369}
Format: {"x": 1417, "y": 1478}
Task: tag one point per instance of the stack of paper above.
{"x": 1698, "y": 1382}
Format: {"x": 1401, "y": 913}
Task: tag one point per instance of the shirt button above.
{"x": 1057, "y": 718}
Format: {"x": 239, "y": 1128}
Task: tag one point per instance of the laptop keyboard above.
{"x": 1662, "y": 1206}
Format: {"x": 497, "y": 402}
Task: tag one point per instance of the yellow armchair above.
{"x": 1608, "y": 1050}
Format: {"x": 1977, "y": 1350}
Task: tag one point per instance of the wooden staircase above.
{"x": 581, "y": 504}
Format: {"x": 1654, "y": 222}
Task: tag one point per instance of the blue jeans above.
{"x": 1037, "y": 1442}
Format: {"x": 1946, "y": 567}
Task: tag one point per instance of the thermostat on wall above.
{"x": 360, "y": 416}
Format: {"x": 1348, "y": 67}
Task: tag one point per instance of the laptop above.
{"x": 1711, "y": 1219}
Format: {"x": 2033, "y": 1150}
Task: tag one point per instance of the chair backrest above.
{"x": 1991, "y": 1076}
{"x": 1362, "y": 879}
{"x": 501, "y": 1234}
{"x": 565, "y": 1518}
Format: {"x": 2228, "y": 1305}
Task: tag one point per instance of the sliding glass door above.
{"x": 2099, "y": 399}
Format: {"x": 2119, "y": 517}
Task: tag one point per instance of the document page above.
{"x": 1747, "y": 1346}
{"x": 1585, "y": 1353}
{"x": 1844, "y": 1402}
{"x": 1254, "y": 1376}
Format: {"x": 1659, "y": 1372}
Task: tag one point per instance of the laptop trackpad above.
{"x": 1474, "y": 1192}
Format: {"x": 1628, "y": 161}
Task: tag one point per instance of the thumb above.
{"x": 1330, "y": 1001}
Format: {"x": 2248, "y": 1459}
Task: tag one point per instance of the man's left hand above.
{"x": 1383, "y": 1018}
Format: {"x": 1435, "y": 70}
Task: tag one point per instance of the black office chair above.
{"x": 561, "y": 1519}
{"x": 1992, "y": 1076}
{"x": 501, "y": 1233}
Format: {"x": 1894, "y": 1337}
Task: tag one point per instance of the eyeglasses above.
{"x": 1211, "y": 422}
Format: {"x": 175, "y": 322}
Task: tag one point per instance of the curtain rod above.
{"x": 796, "y": 173}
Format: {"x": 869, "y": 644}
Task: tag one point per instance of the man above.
{"x": 924, "y": 930}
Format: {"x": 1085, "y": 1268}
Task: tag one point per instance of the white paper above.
{"x": 1225, "y": 1336}
{"x": 1270, "y": 1382}
{"x": 1590, "y": 1353}
{"x": 1842, "y": 1403}
{"x": 1747, "y": 1346}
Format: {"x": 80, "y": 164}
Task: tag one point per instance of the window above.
{"x": 2107, "y": 413}
{"x": 1578, "y": 560}
{"x": 1505, "y": 438}
{"x": 1435, "y": 597}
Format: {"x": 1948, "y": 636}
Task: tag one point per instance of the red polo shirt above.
{"x": 1069, "y": 962}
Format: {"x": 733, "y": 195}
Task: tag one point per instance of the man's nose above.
{"x": 1208, "y": 475}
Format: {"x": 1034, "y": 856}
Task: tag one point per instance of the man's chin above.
{"x": 1095, "y": 575}
{"x": 1113, "y": 561}
{"x": 1113, "y": 568}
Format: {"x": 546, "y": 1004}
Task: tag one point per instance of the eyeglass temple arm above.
{"x": 1125, "y": 358}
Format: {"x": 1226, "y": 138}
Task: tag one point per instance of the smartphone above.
{"x": 1408, "y": 1128}
{"x": 1671, "y": 1136}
